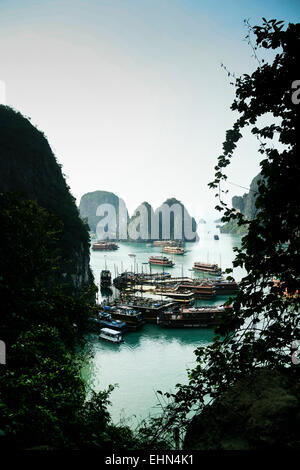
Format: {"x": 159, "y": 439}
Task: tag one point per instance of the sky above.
{"x": 131, "y": 94}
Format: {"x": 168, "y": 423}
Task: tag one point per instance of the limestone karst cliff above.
{"x": 170, "y": 220}
{"x": 89, "y": 207}
{"x": 29, "y": 167}
{"x": 244, "y": 204}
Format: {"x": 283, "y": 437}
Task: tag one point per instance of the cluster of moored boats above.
{"x": 212, "y": 269}
{"x": 120, "y": 316}
{"x": 171, "y": 304}
{"x": 166, "y": 301}
{"x": 180, "y": 288}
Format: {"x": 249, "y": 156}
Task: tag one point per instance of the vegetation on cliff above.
{"x": 28, "y": 166}
{"x": 245, "y": 205}
{"x": 44, "y": 315}
{"x": 260, "y": 410}
{"x": 42, "y": 397}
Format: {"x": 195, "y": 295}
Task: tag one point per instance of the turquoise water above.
{"x": 153, "y": 358}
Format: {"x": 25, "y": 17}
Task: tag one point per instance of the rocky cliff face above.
{"x": 140, "y": 223}
{"x": 145, "y": 223}
{"x": 98, "y": 202}
{"x": 244, "y": 204}
{"x": 180, "y": 222}
{"x": 170, "y": 220}
{"x": 28, "y": 166}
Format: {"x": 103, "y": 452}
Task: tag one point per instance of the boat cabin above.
{"x": 111, "y": 335}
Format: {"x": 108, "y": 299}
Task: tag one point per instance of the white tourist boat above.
{"x": 111, "y": 335}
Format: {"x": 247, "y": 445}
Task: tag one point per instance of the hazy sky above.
{"x": 130, "y": 93}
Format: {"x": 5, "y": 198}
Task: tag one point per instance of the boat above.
{"x": 216, "y": 237}
{"x": 123, "y": 313}
{"x": 178, "y": 295}
{"x": 110, "y": 335}
{"x": 209, "y": 288}
{"x": 105, "y": 278}
{"x": 131, "y": 254}
{"x": 176, "y": 250}
{"x": 212, "y": 269}
{"x": 164, "y": 243}
{"x": 224, "y": 287}
{"x": 161, "y": 261}
{"x": 168, "y": 243}
{"x": 200, "y": 289}
{"x": 193, "y": 317}
{"x": 105, "y": 320}
{"x": 102, "y": 245}
{"x": 203, "y": 288}
{"x": 149, "y": 308}
{"x": 116, "y": 325}
{"x": 128, "y": 279}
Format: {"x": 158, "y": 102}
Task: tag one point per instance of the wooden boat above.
{"x": 201, "y": 289}
{"x": 102, "y": 245}
{"x": 105, "y": 320}
{"x": 179, "y": 296}
{"x": 128, "y": 279}
{"x": 123, "y": 313}
{"x": 218, "y": 286}
{"x": 194, "y": 317}
{"x": 224, "y": 287}
{"x": 105, "y": 278}
{"x": 164, "y": 243}
{"x": 216, "y": 237}
{"x": 149, "y": 308}
{"x": 176, "y": 250}
{"x": 110, "y": 335}
{"x": 212, "y": 269}
{"x": 161, "y": 261}
{"x": 116, "y": 325}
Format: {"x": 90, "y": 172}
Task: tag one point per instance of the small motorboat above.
{"x": 111, "y": 335}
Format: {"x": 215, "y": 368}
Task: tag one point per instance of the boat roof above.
{"x": 111, "y": 332}
{"x": 119, "y": 323}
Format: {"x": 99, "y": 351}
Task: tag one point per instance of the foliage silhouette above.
{"x": 264, "y": 321}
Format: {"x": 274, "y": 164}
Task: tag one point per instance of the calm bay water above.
{"x": 153, "y": 358}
